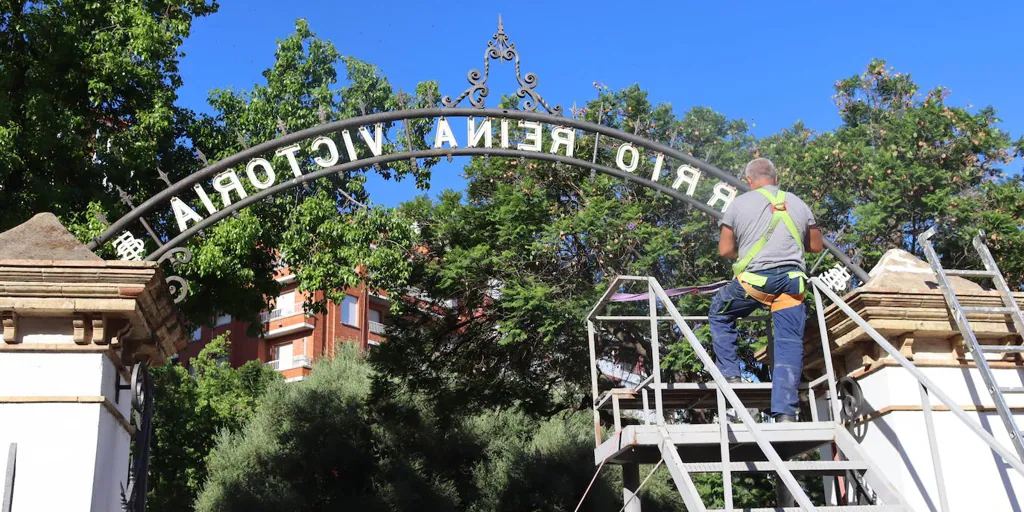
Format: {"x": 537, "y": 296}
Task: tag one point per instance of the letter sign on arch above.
{"x": 210, "y": 195}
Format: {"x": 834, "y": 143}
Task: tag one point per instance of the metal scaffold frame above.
{"x": 678, "y": 470}
{"x": 863, "y": 475}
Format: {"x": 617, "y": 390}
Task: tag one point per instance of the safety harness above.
{"x": 749, "y": 279}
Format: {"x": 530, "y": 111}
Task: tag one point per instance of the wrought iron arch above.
{"x": 185, "y": 185}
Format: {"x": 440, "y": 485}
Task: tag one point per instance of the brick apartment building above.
{"x": 291, "y": 340}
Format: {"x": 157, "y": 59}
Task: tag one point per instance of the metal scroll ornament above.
{"x": 133, "y": 497}
{"x": 501, "y": 50}
{"x": 130, "y": 248}
{"x": 177, "y": 285}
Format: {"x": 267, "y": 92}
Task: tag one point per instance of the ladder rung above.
{"x": 1002, "y": 348}
{"x": 794, "y": 466}
{"x": 1014, "y": 390}
{"x": 971, "y": 273}
{"x": 986, "y": 309}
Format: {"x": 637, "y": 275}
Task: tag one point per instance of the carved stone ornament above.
{"x": 10, "y": 326}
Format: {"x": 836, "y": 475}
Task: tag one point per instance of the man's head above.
{"x": 760, "y": 172}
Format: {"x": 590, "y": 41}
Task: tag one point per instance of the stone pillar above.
{"x": 73, "y": 327}
{"x": 903, "y": 303}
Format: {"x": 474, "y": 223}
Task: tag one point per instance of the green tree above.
{"x": 901, "y": 162}
{"x": 528, "y": 249}
{"x": 191, "y": 407}
{"x": 91, "y": 109}
{"x": 344, "y": 439}
{"x": 234, "y": 261}
{"x": 89, "y": 91}
{"x": 997, "y": 208}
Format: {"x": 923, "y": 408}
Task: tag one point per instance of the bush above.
{"x": 342, "y": 441}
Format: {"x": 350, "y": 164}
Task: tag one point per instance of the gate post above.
{"x": 74, "y": 331}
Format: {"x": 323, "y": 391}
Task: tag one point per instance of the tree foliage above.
{"x": 89, "y": 91}
{"x": 339, "y": 441}
{"x": 191, "y": 407}
{"x": 529, "y": 246}
{"x": 234, "y": 262}
{"x": 902, "y": 162}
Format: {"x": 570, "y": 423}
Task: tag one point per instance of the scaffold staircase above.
{"x": 724, "y": 447}
{"x": 1010, "y": 308}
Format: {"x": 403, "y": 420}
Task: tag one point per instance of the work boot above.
{"x": 785, "y": 418}
{"x": 734, "y": 380}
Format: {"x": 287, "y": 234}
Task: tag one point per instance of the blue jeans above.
{"x": 788, "y": 321}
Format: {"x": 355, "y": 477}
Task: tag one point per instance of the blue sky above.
{"x": 771, "y": 63}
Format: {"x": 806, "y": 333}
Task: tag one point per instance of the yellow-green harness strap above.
{"x": 779, "y": 213}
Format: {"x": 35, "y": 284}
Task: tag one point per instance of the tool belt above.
{"x": 775, "y": 301}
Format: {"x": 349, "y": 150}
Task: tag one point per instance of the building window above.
{"x": 196, "y": 334}
{"x": 223, "y": 320}
{"x": 350, "y": 311}
{"x": 283, "y": 356}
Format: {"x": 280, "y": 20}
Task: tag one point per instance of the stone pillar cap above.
{"x": 902, "y": 301}
{"x": 43, "y": 237}
{"x": 46, "y": 272}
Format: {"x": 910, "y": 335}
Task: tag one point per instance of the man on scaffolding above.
{"x": 768, "y": 230}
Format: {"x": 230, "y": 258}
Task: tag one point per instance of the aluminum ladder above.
{"x": 959, "y": 312}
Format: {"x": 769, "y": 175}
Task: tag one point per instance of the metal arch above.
{"x": 424, "y": 153}
{"x": 185, "y": 184}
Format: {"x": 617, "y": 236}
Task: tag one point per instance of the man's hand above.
{"x": 813, "y": 240}
{"x": 727, "y": 243}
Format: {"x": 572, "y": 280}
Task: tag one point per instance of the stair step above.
{"x": 693, "y": 395}
{"x": 1002, "y": 348}
{"x": 970, "y": 273}
{"x": 1012, "y": 390}
{"x": 986, "y": 309}
{"x": 824, "y": 466}
{"x": 851, "y": 508}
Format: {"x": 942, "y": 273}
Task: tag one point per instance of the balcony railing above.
{"x": 376, "y": 327}
{"x": 274, "y": 314}
{"x": 296, "y": 362}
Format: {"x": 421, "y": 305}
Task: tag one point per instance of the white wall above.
{"x": 975, "y": 477}
{"x": 71, "y": 456}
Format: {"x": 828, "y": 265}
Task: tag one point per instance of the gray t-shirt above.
{"x": 749, "y": 216}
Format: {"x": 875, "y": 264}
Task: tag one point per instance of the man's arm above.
{"x": 812, "y": 242}
{"x": 727, "y": 243}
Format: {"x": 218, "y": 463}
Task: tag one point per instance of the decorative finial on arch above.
{"x": 501, "y": 49}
